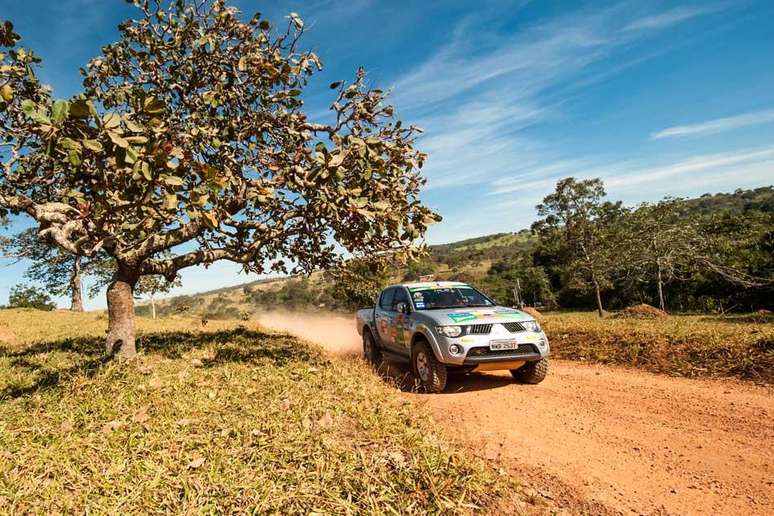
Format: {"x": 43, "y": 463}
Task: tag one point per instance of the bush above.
{"x": 28, "y": 296}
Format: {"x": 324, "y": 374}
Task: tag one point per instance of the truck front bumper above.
{"x": 476, "y": 351}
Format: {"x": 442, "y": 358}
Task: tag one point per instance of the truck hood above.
{"x": 479, "y": 315}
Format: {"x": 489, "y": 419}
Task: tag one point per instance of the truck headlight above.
{"x": 449, "y": 331}
{"x": 531, "y": 326}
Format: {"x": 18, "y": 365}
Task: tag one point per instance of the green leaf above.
{"x": 172, "y": 180}
{"x": 75, "y": 158}
{"x": 131, "y": 155}
{"x": 145, "y": 169}
{"x": 115, "y": 138}
{"x": 111, "y": 121}
{"x": 92, "y": 145}
{"x": 264, "y": 25}
{"x": 133, "y": 126}
{"x": 60, "y": 110}
{"x": 153, "y": 106}
{"x": 80, "y": 109}
{"x": 69, "y": 144}
{"x": 28, "y": 106}
{"x": 6, "y": 92}
{"x": 170, "y": 202}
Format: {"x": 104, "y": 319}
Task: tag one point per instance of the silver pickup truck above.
{"x": 441, "y": 327}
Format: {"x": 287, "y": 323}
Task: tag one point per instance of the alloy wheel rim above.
{"x": 423, "y": 366}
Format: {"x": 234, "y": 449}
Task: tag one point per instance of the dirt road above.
{"x": 602, "y": 438}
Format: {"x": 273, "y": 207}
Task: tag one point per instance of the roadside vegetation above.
{"x": 229, "y": 418}
{"x": 739, "y": 346}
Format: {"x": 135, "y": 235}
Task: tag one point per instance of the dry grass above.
{"x": 679, "y": 345}
{"x": 232, "y": 419}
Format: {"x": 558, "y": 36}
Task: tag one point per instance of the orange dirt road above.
{"x": 605, "y": 439}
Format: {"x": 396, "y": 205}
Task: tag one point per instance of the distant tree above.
{"x": 582, "y": 230}
{"x": 59, "y": 272}
{"x": 28, "y": 296}
{"x": 153, "y": 286}
{"x": 668, "y": 241}
{"x": 358, "y": 281}
{"x": 190, "y": 136}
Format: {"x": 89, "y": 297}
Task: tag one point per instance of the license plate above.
{"x": 497, "y": 345}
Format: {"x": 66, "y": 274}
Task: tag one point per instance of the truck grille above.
{"x": 514, "y": 327}
{"x": 484, "y": 351}
{"x": 479, "y": 329}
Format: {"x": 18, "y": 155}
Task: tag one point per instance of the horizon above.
{"x": 657, "y": 100}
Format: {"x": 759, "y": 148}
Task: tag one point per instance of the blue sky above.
{"x": 656, "y": 98}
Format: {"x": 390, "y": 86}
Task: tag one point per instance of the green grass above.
{"x": 231, "y": 419}
{"x": 500, "y": 241}
{"x": 679, "y": 345}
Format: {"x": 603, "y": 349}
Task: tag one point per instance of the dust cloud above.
{"x": 332, "y": 331}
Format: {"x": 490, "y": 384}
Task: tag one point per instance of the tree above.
{"x": 27, "y": 296}
{"x": 667, "y": 241}
{"x": 190, "y": 137}
{"x": 582, "y": 230}
{"x": 58, "y": 271}
{"x": 357, "y": 282}
{"x": 154, "y": 285}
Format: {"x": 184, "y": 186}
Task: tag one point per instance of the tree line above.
{"x": 676, "y": 254}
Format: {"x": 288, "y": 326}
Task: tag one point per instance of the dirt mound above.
{"x": 642, "y": 311}
{"x": 532, "y": 311}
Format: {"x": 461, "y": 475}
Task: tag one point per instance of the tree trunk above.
{"x": 661, "y": 303}
{"x": 153, "y": 306}
{"x": 76, "y": 297}
{"x": 120, "y": 301}
{"x": 600, "y": 310}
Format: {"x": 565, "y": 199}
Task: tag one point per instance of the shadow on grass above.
{"x": 237, "y": 345}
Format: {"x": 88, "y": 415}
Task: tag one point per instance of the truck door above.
{"x": 383, "y": 316}
{"x": 401, "y": 321}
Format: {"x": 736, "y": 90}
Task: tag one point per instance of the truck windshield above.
{"x": 435, "y": 298}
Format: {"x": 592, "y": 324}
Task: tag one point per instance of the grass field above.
{"x": 231, "y": 419}
{"x": 682, "y": 345}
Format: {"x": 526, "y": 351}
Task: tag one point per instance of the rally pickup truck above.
{"x": 442, "y": 327}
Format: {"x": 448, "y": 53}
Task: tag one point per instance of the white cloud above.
{"x": 478, "y": 95}
{"x": 668, "y": 18}
{"x": 716, "y": 126}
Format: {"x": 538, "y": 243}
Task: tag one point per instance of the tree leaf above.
{"x": 170, "y": 202}
{"x": 172, "y": 180}
{"x": 111, "y": 121}
{"x": 115, "y": 138}
{"x": 92, "y": 145}
{"x": 60, "y": 110}
{"x": 80, "y": 109}
{"x": 6, "y": 92}
{"x": 153, "y": 106}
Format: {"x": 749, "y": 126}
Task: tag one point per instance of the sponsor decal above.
{"x": 500, "y": 313}
{"x": 463, "y": 316}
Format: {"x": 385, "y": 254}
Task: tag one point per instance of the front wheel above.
{"x": 428, "y": 369}
{"x": 371, "y": 351}
{"x": 531, "y": 372}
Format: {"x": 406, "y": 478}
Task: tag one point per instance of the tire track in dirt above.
{"x": 608, "y": 436}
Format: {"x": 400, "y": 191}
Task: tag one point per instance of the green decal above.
{"x": 462, "y": 317}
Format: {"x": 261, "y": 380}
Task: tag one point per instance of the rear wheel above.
{"x": 431, "y": 373}
{"x": 531, "y": 372}
{"x": 371, "y": 351}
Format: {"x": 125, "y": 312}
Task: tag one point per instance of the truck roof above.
{"x": 426, "y": 284}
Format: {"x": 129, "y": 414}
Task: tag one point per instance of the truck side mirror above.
{"x": 402, "y": 308}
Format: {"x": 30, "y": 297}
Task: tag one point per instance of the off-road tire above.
{"x": 531, "y": 372}
{"x": 434, "y": 373}
{"x": 371, "y": 351}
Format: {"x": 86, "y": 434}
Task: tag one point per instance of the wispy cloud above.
{"x": 480, "y": 95}
{"x": 718, "y": 125}
{"x": 668, "y": 18}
